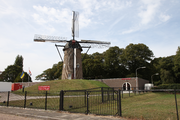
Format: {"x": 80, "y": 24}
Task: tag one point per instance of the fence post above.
{"x": 87, "y": 110}
{"x": 8, "y": 98}
{"x": 102, "y": 94}
{"x": 46, "y": 101}
{"x": 61, "y": 100}
{"x": 176, "y": 104}
{"x": 119, "y": 107}
{"x": 25, "y": 99}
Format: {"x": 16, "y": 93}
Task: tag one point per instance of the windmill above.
{"x": 72, "y": 64}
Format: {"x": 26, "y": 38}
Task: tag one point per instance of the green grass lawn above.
{"x": 75, "y": 84}
{"x": 156, "y": 106}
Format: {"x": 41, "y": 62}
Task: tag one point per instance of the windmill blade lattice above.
{"x": 45, "y": 38}
{"x": 94, "y": 43}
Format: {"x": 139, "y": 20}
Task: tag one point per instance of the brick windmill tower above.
{"x": 72, "y": 64}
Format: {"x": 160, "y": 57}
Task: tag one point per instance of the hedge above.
{"x": 168, "y": 86}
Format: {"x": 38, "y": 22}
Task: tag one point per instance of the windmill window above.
{"x": 78, "y": 65}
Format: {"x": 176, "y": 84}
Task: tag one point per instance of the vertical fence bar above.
{"x": 46, "y": 101}
{"x": 176, "y": 104}
{"x": 85, "y": 98}
{"x": 108, "y": 95}
{"x": 25, "y": 99}
{"x": 119, "y": 106}
{"x": 102, "y": 94}
{"x": 122, "y": 93}
{"x": 113, "y": 93}
{"x": 87, "y": 108}
{"x": 8, "y": 98}
{"x": 61, "y": 100}
{"x": 129, "y": 93}
{"x": 23, "y": 89}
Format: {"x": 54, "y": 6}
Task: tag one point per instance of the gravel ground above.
{"x": 14, "y": 113}
{"x": 14, "y": 117}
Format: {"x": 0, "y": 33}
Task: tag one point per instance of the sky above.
{"x": 155, "y": 23}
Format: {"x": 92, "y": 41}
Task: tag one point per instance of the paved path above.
{"x": 36, "y": 114}
{"x": 15, "y": 117}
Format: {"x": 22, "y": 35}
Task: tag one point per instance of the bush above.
{"x": 168, "y": 86}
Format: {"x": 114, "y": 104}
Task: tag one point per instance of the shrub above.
{"x": 168, "y": 86}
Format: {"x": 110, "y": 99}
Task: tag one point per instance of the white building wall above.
{"x": 5, "y": 86}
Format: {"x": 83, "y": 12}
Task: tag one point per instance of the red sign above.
{"x": 16, "y": 86}
{"x": 43, "y": 87}
{"x": 125, "y": 78}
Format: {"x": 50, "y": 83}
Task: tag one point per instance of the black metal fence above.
{"x": 100, "y": 101}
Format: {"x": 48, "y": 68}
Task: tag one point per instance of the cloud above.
{"x": 116, "y": 5}
{"x": 149, "y": 15}
{"x": 131, "y": 30}
{"x": 116, "y": 22}
{"x": 164, "y": 18}
{"x": 45, "y": 14}
{"x": 5, "y": 8}
{"x": 148, "y": 10}
{"x": 39, "y": 19}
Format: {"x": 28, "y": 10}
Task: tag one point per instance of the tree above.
{"x": 113, "y": 63}
{"x": 51, "y": 73}
{"x": 135, "y": 56}
{"x": 155, "y": 68}
{"x": 166, "y": 72}
{"x": 10, "y": 73}
{"x": 166, "y": 77}
{"x": 176, "y": 67}
{"x": 19, "y": 61}
{"x": 26, "y": 78}
{"x": 93, "y": 66}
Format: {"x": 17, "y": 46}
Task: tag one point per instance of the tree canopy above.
{"x": 122, "y": 62}
{"x": 176, "y": 66}
{"x": 19, "y": 61}
{"x": 51, "y": 73}
{"x": 12, "y": 72}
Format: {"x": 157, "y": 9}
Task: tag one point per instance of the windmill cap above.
{"x": 72, "y": 44}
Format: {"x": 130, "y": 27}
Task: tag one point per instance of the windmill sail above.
{"x": 94, "y": 42}
{"x": 45, "y": 38}
{"x": 75, "y": 24}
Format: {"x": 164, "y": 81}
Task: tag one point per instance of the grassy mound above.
{"x": 58, "y": 85}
